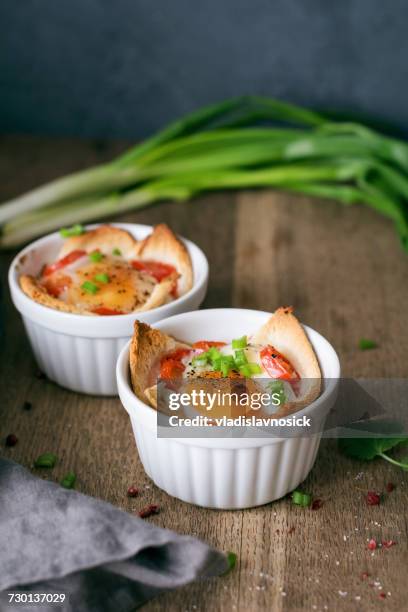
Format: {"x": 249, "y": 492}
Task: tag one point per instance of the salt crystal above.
{"x": 342, "y": 593}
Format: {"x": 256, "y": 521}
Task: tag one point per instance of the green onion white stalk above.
{"x": 236, "y": 144}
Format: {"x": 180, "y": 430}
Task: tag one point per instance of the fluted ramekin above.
{"x": 227, "y": 472}
{"x": 79, "y": 352}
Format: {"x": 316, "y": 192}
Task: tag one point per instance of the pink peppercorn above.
{"x": 373, "y": 498}
{"x": 132, "y": 492}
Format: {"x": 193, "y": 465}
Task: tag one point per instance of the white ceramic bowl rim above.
{"x": 97, "y": 326}
{"x": 149, "y": 415}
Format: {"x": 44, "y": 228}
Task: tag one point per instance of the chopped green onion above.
{"x": 199, "y": 362}
{"x": 116, "y": 252}
{"x": 75, "y": 230}
{"x": 90, "y": 287}
{"x": 301, "y": 499}
{"x": 276, "y": 387}
{"x": 240, "y": 358}
{"x": 46, "y": 460}
{"x": 231, "y": 560}
{"x": 249, "y": 369}
{"x": 224, "y": 368}
{"x": 95, "y": 256}
{"x": 203, "y": 355}
{"x": 216, "y": 364}
{"x": 245, "y": 370}
{"x": 102, "y": 278}
{"x": 366, "y": 345}
{"x": 213, "y": 353}
{"x": 240, "y": 343}
{"x": 68, "y": 481}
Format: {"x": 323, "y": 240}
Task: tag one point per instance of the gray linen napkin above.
{"x": 103, "y": 559}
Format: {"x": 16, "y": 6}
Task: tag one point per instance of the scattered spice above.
{"x": 372, "y": 544}
{"x": 46, "y": 460}
{"x": 132, "y": 492}
{"x": 388, "y": 543}
{"x": 390, "y": 487}
{"x": 317, "y": 504}
{"x": 365, "y": 576}
{"x": 373, "y": 498}
{"x": 27, "y": 406}
{"x": 68, "y": 481}
{"x": 148, "y": 511}
{"x": 382, "y": 596}
{"x": 11, "y": 440}
{"x": 291, "y": 530}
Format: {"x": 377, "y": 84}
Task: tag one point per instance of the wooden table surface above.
{"x": 344, "y": 272}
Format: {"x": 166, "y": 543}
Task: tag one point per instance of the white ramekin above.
{"x": 227, "y": 472}
{"x": 80, "y": 352}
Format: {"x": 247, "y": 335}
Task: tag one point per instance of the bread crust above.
{"x": 105, "y": 239}
{"x": 38, "y": 293}
{"x": 147, "y": 346}
{"x": 163, "y": 245}
{"x": 283, "y": 331}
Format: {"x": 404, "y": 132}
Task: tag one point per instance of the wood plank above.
{"x": 345, "y": 273}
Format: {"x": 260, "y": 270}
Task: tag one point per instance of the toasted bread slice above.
{"x": 105, "y": 239}
{"x": 38, "y": 293}
{"x": 148, "y": 345}
{"x": 286, "y": 334}
{"x": 163, "y": 245}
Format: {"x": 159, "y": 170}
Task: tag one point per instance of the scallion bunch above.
{"x": 247, "y": 142}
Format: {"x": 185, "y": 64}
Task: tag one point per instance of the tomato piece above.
{"x": 277, "y": 365}
{"x": 174, "y": 290}
{"x": 171, "y": 365}
{"x": 62, "y": 263}
{"x": 55, "y": 286}
{"x": 157, "y": 269}
{"x": 206, "y": 344}
{"x": 107, "y": 311}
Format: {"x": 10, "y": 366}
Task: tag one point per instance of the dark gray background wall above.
{"x": 123, "y": 68}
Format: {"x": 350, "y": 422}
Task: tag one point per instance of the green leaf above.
{"x": 368, "y": 448}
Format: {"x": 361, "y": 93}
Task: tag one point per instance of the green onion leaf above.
{"x": 216, "y": 364}
{"x": 232, "y": 561}
{"x": 240, "y": 358}
{"x": 95, "y": 256}
{"x": 213, "y": 353}
{"x": 46, "y": 460}
{"x": 68, "y": 481}
{"x": 240, "y": 343}
{"x": 75, "y": 230}
{"x": 102, "y": 278}
{"x": 199, "y": 362}
{"x": 366, "y": 345}
{"x": 301, "y": 499}
{"x": 249, "y": 369}
{"x": 89, "y": 287}
{"x": 117, "y": 252}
